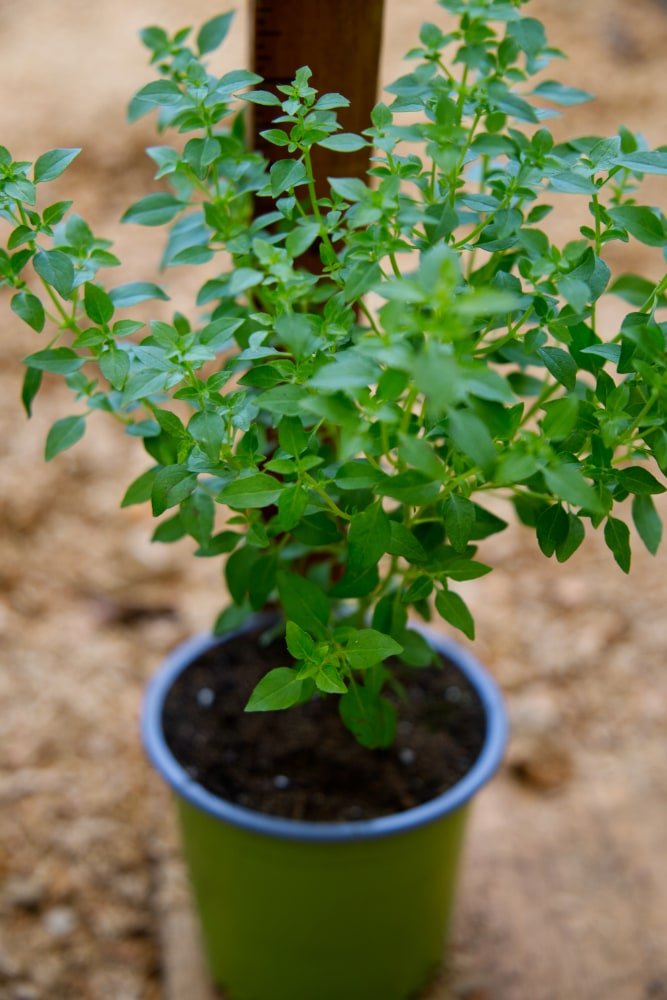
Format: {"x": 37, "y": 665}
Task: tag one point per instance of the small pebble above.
{"x": 60, "y": 921}
{"x": 407, "y": 756}
{"x": 205, "y": 697}
{"x": 281, "y": 781}
{"x": 453, "y": 693}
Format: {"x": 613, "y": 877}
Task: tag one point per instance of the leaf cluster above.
{"x": 338, "y": 436}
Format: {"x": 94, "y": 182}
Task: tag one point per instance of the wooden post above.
{"x": 340, "y": 40}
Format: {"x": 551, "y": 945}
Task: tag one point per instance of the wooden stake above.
{"x": 340, "y": 40}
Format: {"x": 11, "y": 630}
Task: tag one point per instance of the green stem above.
{"x": 654, "y": 296}
{"x": 546, "y": 393}
{"x": 369, "y": 316}
{"x": 324, "y": 235}
{"x": 333, "y": 507}
{"x": 598, "y": 248}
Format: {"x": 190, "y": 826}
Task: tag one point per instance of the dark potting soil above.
{"x": 303, "y": 763}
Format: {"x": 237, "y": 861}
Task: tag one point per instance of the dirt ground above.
{"x": 564, "y": 894}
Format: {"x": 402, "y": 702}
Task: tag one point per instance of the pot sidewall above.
{"x": 294, "y": 910}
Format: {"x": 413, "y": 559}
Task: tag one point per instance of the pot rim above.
{"x": 277, "y": 826}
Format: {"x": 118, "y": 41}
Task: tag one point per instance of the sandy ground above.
{"x": 565, "y": 889}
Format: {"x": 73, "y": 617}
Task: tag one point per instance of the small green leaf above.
{"x": 299, "y": 643}
{"x": 31, "y": 383}
{"x": 561, "y": 365}
{"x": 419, "y": 590}
{"x": 472, "y": 437}
{"x": 370, "y": 718}
{"x": 264, "y": 97}
{"x": 276, "y": 136}
{"x": 280, "y": 688}
{"x": 56, "y": 269}
{"x": 368, "y": 537}
{"x": 140, "y": 490}
{"x": 573, "y": 539}
{"x": 416, "y": 650}
{"x": 172, "y": 484}
{"x": 56, "y": 212}
{"x": 356, "y": 583}
{"x": 97, "y": 303}
{"x": 292, "y": 504}
{"x": 303, "y": 602}
{"x": 645, "y": 162}
{"x": 115, "y": 366}
{"x": 639, "y": 480}
{"x": 154, "y": 209}
{"x": 220, "y": 544}
{"x": 57, "y": 360}
{"x": 170, "y": 530}
{"x": 231, "y": 619}
{"x": 459, "y": 521}
{"x": 454, "y": 610}
{"x": 567, "y": 483}
{"x": 462, "y": 569}
{"x": 301, "y": 238}
{"x": 213, "y": 33}
{"x": 64, "y": 434}
{"x": 329, "y": 679}
{"x": 529, "y": 35}
{"x": 368, "y": 647}
{"x": 157, "y": 94}
{"x": 635, "y": 290}
{"x": 403, "y": 543}
{"x": 258, "y": 490}
{"x": 411, "y": 487}
{"x": 291, "y": 436}
{"x": 617, "y": 537}
{"x": 350, "y": 188}
{"x": 328, "y": 102}
{"x": 344, "y": 142}
{"x": 197, "y": 516}
{"x": 641, "y": 222}
{"x": 647, "y": 522}
{"x": 557, "y": 93}
{"x": 552, "y": 529}
{"x": 136, "y": 291}
{"x": 30, "y": 309}
{"x": 285, "y": 175}
{"x": 50, "y": 165}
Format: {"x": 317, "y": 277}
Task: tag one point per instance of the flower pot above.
{"x": 295, "y": 910}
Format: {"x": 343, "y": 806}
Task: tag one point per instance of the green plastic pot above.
{"x": 295, "y": 910}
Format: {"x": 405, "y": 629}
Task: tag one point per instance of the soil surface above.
{"x": 304, "y": 764}
{"x": 564, "y": 891}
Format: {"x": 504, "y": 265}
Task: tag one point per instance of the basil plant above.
{"x": 336, "y": 433}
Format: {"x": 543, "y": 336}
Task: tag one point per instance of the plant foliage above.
{"x": 337, "y": 436}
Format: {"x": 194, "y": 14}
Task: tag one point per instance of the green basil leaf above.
{"x": 64, "y": 434}
{"x": 303, "y": 602}
{"x": 647, "y": 522}
{"x": 213, "y": 33}
{"x": 280, "y": 688}
{"x": 258, "y": 490}
{"x": 30, "y": 309}
{"x": 50, "y": 165}
{"x": 617, "y": 537}
{"x": 454, "y": 610}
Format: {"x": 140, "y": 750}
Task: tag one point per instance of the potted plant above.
{"x": 342, "y": 438}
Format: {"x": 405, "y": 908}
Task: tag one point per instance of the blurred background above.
{"x": 565, "y": 887}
